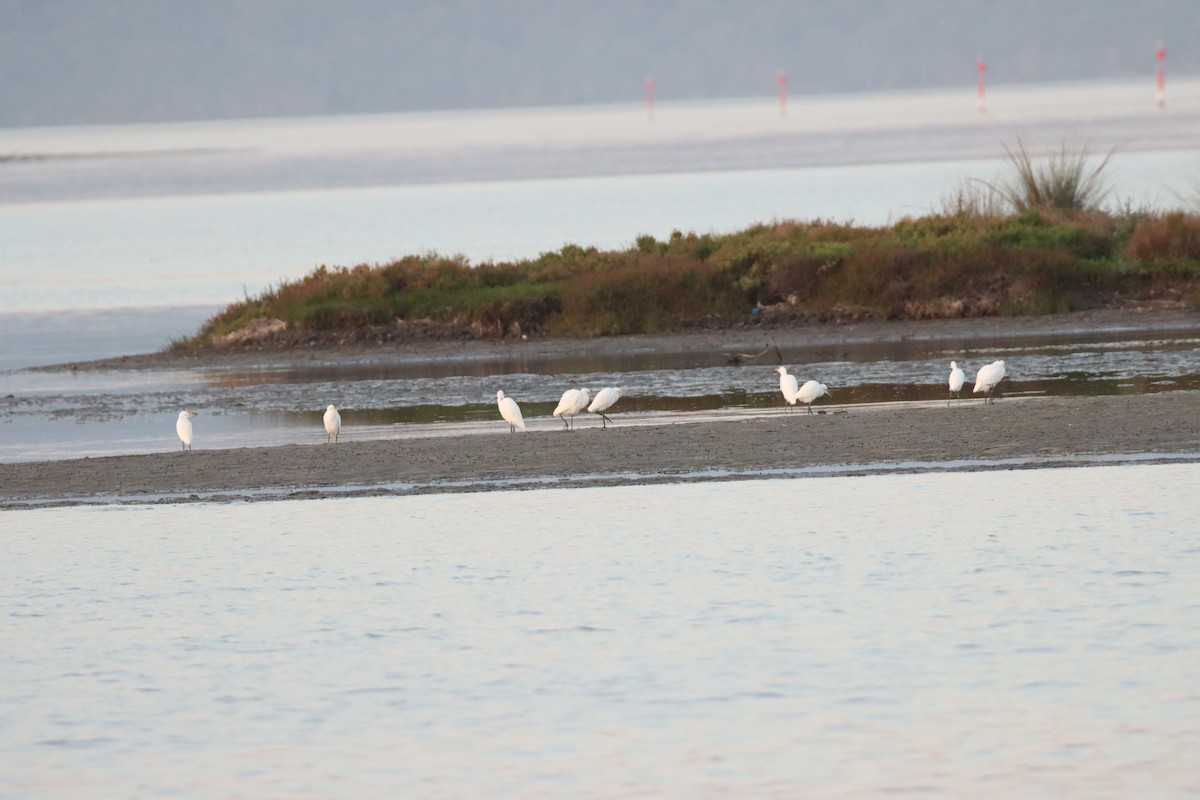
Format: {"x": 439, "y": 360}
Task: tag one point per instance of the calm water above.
{"x": 65, "y": 414}
{"x": 1010, "y": 634}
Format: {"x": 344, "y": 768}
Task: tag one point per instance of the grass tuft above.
{"x": 1062, "y": 181}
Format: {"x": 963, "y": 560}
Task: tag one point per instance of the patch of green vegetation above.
{"x": 1040, "y": 243}
{"x": 1034, "y": 262}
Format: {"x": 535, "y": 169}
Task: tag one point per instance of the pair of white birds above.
{"x": 794, "y": 393}
{"x": 183, "y": 426}
{"x": 985, "y": 380}
{"x": 571, "y": 403}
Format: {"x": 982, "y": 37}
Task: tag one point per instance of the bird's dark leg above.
{"x": 810, "y": 408}
{"x": 604, "y": 425}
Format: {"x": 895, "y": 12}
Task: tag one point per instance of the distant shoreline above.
{"x": 1011, "y": 433}
{"x": 727, "y": 341}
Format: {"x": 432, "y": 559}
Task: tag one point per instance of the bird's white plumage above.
{"x": 809, "y": 392}
{"x": 988, "y": 376}
{"x": 603, "y": 401}
{"x": 571, "y": 403}
{"x": 957, "y": 377}
{"x": 788, "y": 385}
{"x": 183, "y": 427}
{"x": 333, "y": 423}
{"x": 955, "y": 382}
{"x": 510, "y": 411}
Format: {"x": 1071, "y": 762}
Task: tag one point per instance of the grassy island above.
{"x": 1042, "y": 244}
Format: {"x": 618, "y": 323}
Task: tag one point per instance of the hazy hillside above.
{"x": 129, "y": 60}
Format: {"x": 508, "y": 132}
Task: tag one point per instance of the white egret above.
{"x": 810, "y": 391}
{"x": 788, "y": 385}
{"x": 987, "y": 378}
{"x": 183, "y": 427}
{"x": 510, "y": 411}
{"x": 333, "y": 424}
{"x": 604, "y": 400}
{"x": 957, "y": 378}
{"x": 571, "y": 403}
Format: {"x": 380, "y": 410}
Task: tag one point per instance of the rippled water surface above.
{"x": 63, "y": 414}
{"x": 999, "y": 634}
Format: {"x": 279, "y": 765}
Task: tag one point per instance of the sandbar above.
{"x": 1013, "y": 432}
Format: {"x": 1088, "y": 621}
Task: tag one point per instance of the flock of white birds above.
{"x": 569, "y": 405}
{"x": 575, "y": 401}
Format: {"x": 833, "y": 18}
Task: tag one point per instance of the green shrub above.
{"x": 1039, "y": 261}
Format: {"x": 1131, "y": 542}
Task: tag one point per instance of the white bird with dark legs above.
{"x": 183, "y": 427}
{"x": 510, "y": 411}
{"x": 571, "y": 403}
{"x": 987, "y": 378}
{"x": 788, "y": 386}
{"x": 603, "y": 401}
{"x": 957, "y": 378}
{"x": 333, "y": 424}
{"x": 809, "y": 392}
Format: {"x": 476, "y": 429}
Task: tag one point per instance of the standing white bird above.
{"x": 603, "y": 401}
{"x": 957, "y": 378}
{"x": 333, "y": 424}
{"x": 810, "y": 391}
{"x": 571, "y": 403}
{"x": 183, "y": 427}
{"x": 510, "y": 411}
{"x": 988, "y": 376}
{"x": 788, "y": 386}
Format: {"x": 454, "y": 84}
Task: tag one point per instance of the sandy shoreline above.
{"x": 903, "y": 436}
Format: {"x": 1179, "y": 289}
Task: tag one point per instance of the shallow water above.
{"x": 65, "y": 414}
{"x": 1024, "y": 633}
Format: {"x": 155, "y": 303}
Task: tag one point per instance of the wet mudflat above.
{"x": 875, "y": 437}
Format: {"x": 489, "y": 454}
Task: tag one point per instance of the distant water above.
{"x": 984, "y": 635}
{"x": 195, "y": 215}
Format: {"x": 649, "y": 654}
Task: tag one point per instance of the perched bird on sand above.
{"x": 603, "y": 401}
{"x": 571, "y": 403}
{"x": 333, "y": 424}
{"x": 809, "y": 392}
{"x": 987, "y": 378}
{"x": 510, "y": 411}
{"x": 788, "y": 386}
{"x": 183, "y": 427}
{"x": 957, "y": 377}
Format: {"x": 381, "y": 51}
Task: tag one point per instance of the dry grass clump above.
{"x": 1062, "y": 180}
{"x": 1174, "y": 236}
